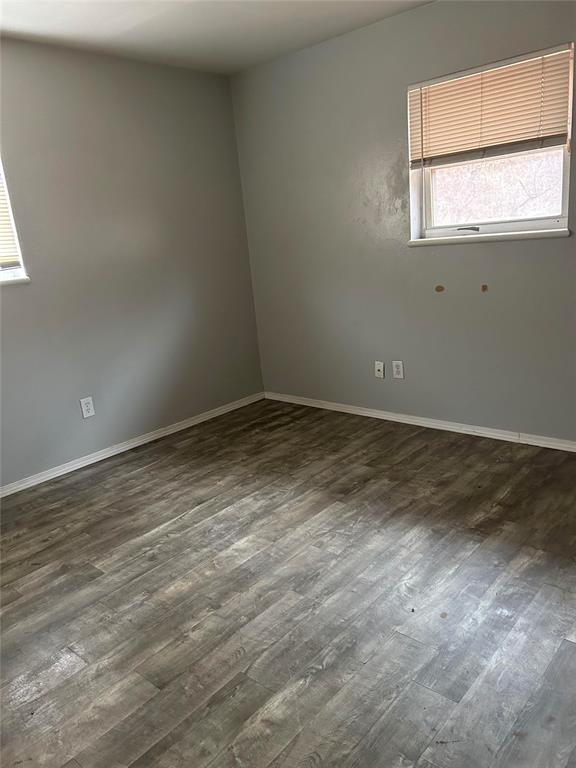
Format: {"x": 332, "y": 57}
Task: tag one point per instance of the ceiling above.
{"x": 212, "y": 35}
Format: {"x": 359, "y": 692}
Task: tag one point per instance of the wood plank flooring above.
{"x": 285, "y": 587}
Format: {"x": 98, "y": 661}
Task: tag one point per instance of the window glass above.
{"x": 520, "y": 186}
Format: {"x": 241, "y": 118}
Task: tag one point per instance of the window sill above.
{"x": 494, "y": 237}
{"x": 14, "y": 280}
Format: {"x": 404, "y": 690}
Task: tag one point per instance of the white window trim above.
{"x": 14, "y": 276}
{"x": 506, "y": 229}
{"x": 510, "y": 230}
{"x": 17, "y": 275}
{"x": 494, "y": 237}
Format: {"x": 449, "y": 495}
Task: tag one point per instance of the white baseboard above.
{"x": 421, "y": 421}
{"x": 92, "y": 458}
{"x": 451, "y": 426}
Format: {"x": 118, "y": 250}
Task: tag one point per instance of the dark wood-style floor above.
{"x": 290, "y": 587}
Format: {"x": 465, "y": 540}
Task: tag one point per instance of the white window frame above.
{"x": 17, "y": 274}
{"x": 423, "y": 233}
{"x": 502, "y": 225}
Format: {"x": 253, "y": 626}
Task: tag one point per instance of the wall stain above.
{"x": 385, "y": 191}
{"x": 395, "y": 197}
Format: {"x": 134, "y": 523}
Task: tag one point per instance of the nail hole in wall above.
{"x": 484, "y": 288}
{"x": 439, "y": 288}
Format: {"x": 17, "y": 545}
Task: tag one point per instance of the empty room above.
{"x": 288, "y": 384}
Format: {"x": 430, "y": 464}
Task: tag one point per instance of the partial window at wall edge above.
{"x": 12, "y": 268}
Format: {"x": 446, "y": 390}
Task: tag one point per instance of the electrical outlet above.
{"x": 87, "y": 406}
{"x": 397, "y": 369}
{"x": 378, "y": 369}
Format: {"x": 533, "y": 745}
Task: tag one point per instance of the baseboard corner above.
{"x": 135, "y": 442}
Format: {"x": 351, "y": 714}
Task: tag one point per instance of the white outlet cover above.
{"x": 87, "y": 406}
{"x": 397, "y": 369}
{"x": 378, "y": 369}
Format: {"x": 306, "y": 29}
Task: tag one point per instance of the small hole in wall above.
{"x": 439, "y": 288}
{"x": 484, "y": 288}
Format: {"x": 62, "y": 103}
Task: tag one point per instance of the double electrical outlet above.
{"x": 397, "y": 369}
{"x": 87, "y": 407}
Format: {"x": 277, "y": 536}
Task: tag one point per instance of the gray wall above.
{"x": 323, "y": 154}
{"x": 125, "y": 187}
{"x": 126, "y": 191}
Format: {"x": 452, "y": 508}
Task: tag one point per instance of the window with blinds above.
{"x": 11, "y": 266}
{"x": 489, "y": 149}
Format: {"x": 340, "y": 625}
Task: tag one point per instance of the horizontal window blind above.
{"x": 512, "y": 103}
{"x": 9, "y": 249}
